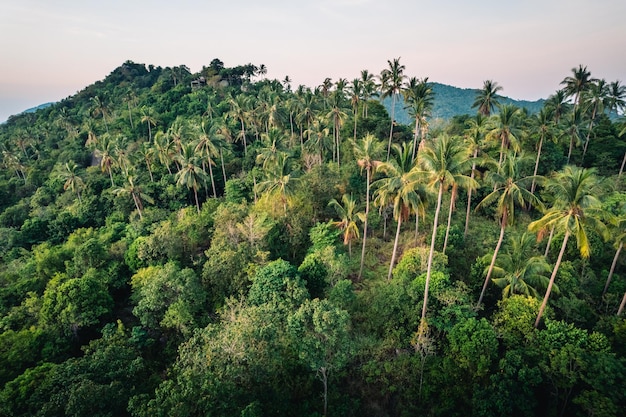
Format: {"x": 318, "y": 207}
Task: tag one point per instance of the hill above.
{"x": 454, "y": 101}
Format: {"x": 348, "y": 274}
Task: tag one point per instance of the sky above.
{"x": 52, "y": 49}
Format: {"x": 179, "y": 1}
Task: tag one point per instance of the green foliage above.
{"x": 279, "y": 282}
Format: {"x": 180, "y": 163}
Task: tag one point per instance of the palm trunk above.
{"x": 393, "y": 108}
{"x": 469, "y": 195}
{"x": 493, "y": 262}
{"x": 417, "y": 227}
{"x": 608, "y": 280}
{"x": 532, "y": 186}
{"x": 243, "y": 138}
{"x": 593, "y": 116}
{"x": 452, "y": 198}
{"x": 212, "y": 179}
{"x": 150, "y": 171}
{"x": 552, "y": 277}
{"x": 621, "y": 168}
{"x": 135, "y": 200}
{"x": 195, "y": 194}
{"x": 621, "y": 306}
{"x": 571, "y": 145}
{"x": 395, "y": 247}
{"x": 549, "y": 241}
{"x": 367, "y": 211}
{"x": 431, "y": 253}
{"x": 415, "y": 136}
{"x": 324, "y": 377}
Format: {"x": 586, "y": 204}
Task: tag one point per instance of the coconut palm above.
{"x": 400, "y": 189}
{"x": 99, "y": 108}
{"x": 419, "y": 97}
{"x": 72, "y": 180}
{"x": 104, "y": 150}
{"x": 368, "y": 89}
{"x": 355, "y": 94}
{"x": 394, "y": 78}
{"x": 190, "y": 174}
{"x": 579, "y": 81}
{"x": 576, "y": 211}
{"x": 336, "y": 116}
{"x": 616, "y": 98}
{"x": 148, "y": 117}
{"x": 272, "y": 144}
{"x": 487, "y": 98}
{"x": 444, "y": 162}
{"x": 367, "y": 151}
{"x": 506, "y": 130}
{"x": 348, "y": 216}
{"x": 518, "y": 270}
{"x": 135, "y": 191}
{"x": 509, "y": 190}
{"x": 573, "y": 130}
{"x": 239, "y": 108}
{"x": 557, "y": 102}
{"x": 146, "y": 153}
{"x": 474, "y": 136}
{"x": 207, "y": 149}
{"x": 278, "y": 180}
{"x": 595, "y": 99}
{"x": 544, "y": 126}
{"x": 619, "y": 238}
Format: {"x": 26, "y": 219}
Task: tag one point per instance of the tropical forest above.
{"x": 224, "y": 244}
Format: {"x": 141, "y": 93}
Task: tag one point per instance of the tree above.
{"x": 278, "y": 180}
{"x": 72, "y": 180}
{"x": 616, "y": 99}
{"x": 545, "y": 128}
{"x": 135, "y": 192}
{"x": 487, "y": 98}
{"x": 348, "y": 215}
{"x": 576, "y": 210}
{"x": 366, "y": 152}
{"x": 147, "y": 117}
{"x": 191, "y": 174}
{"x": 419, "y": 97}
{"x": 394, "y": 78}
{"x": 509, "y": 190}
{"x": 239, "y": 106}
{"x": 573, "y": 130}
{"x": 475, "y": 133}
{"x": 323, "y": 334}
{"x": 506, "y": 130}
{"x": 104, "y": 149}
{"x": 444, "y": 162}
{"x": 619, "y": 238}
{"x": 575, "y": 84}
{"x": 595, "y": 98}
{"x": 399, "y": 189}
{"x": 207, "y": 148}
{"x": 99, "y": 108}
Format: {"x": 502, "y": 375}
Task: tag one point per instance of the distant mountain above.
{"x": 453, "y": 101}
{"x": 41, "y": 106}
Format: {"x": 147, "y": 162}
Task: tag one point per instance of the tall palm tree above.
{"x": 474, "y": 136}
{"x": 164, "y": 150}
{"x": 190, "y": 174}
{"x": 575, "y": 84}
{"x": 104, "y": 150}
{"x": 147, "y": 117}
{"x": 544, "y": 126}
{"x": 394, "y": 76}
{"x": 506, "y": 130}
{"x": 400, "y": 189}
{"x": 573, "y": 130}
{"x": 207, "y": 148}
{"x": 419, "y": 97}
{"x": 487, "y": 98}
{"x": 616, "y": 100}
{"x": 510, "y": 190}
{"x": 348, "y": 216}
{"x": 444, "y": 162}
{"x": 595, "y": 98}
{"x": 519, "y": 270}
{"x": 72, "y": 180}
{"x": 336, "y": 116}
{"x": 576, "y": 210}
{"x": 100, "y": 108}
{"x": 272, "y": 145}
{"x": 135, "y": 191}
{"x": 557, "y": 102}
{"x": 239, "y": 108}
{"x": 368, "y": 89}
{"x": 355, "y": 92}
{"x": 367, "y": 151}
{"x": 619, "y": 238}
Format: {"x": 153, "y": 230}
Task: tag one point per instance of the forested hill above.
{"x": 222, "y": 244}
{"x": 452, "y": 101}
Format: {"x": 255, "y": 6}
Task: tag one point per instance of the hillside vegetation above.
{"x": 222, "y": 244}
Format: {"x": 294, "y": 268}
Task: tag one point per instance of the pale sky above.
{"x": 52, "y": 49}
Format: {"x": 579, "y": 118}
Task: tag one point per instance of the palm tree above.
{"x": 72, "y": 180}
{"x": 474, "y": 137}
{"x": 576, "y": 209}
{"x": 207, "y": 149}
{"x": 336, "y": 116}
{"x": 239, "y": 106}
{"x": 579, "y": 81}
{"x": 557, "y": 102}
{"x": 348, "y": 215}
{"x": 621, "y": 133}
{"x": 355, "y": 91}
{"x": 104, "y": 150}
{"x": 619, "y": 238}
{"x": 164, "y": 149}
{"x": 509, "y": 190}
{"x": 394, "y": 77}
{"x": 621, "y": 306}
{"x": 147, "y": 153}
{"x": 545, "y": 128}
{"x": 191, "y": 174}
{"x": 99, "y": 108}
{"x": 272, "y": 145}
{"x": 368, "y": 89}
{"x": 147, "y": 117}
{"x": 366, "y": 152}
{"x": 419, "y": 97}
{"x": 487, "y": 98}
{"x": 444, "y": 161}
{"x": 573, "y": 130}
{"x": 278, "y": 180}
{"x": 616, "y": 99}
{"x": 130, "y": 188}
{"x": 506, "y": 130}
{"x": 518, "y": 271}
{"x": 399, "y": 189}
{"x": 595, "y": 98}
